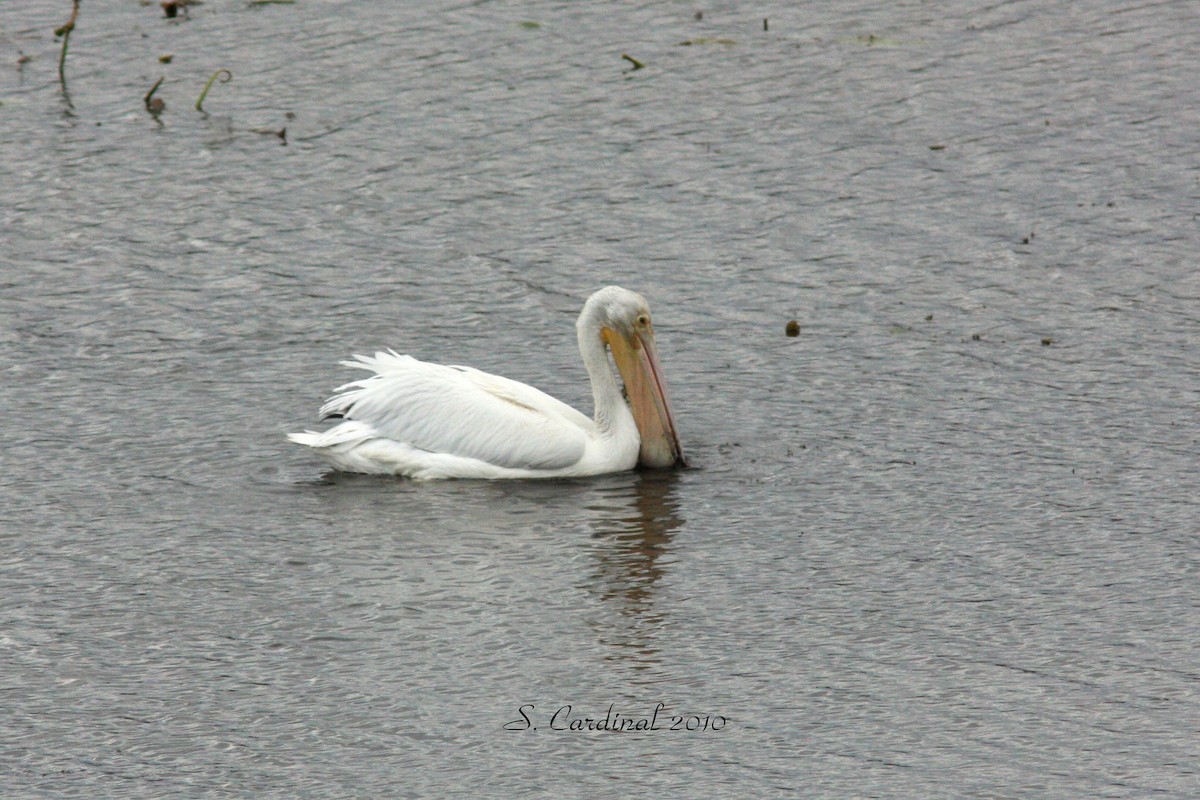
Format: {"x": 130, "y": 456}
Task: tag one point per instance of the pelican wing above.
{"x": 460, "y": 411}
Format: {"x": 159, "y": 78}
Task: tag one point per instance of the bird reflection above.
{"x": 630, "y": 545}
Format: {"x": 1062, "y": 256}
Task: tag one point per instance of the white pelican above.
{"x": 426, "y": 420}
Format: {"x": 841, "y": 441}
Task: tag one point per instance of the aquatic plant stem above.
{"x": 152, "y": 105}
{"x": 65, "y": 32}
{"x": 225, "y": 75}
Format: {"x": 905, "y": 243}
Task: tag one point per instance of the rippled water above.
{"x": 942, "y": 544}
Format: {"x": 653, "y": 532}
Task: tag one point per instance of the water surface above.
{"x": 942, "y": 544}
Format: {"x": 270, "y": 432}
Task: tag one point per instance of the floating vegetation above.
{"x": 792, "y": 328}
{"x": 937, "y": 147}
{"x": 636, "y": 64}
{"x": 154, "y": 105}
{"x": 272, "y": 2}
{"x": 766, "y": 27}
{"x": 1047, "y": 341}
{"x": 64, "y": 31}
{"x": 706, "y": 40}
{"x": 529, "y": 25}
{"x": 166, "y": 58}
{"x": 225, "y": 75}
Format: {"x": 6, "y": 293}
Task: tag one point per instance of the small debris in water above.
{"x": 171, "y": 8}
{"x": 699, "y": 16}
{"x": 166, "y": 58}
{"x": 529, "y": 25}
{"x": 281, "y": 133}
{"x": 765, "y": 26}
{"x": 929, "y": 317}
{"x": 636, "y": 64}
{"x": 975, "y": 337}
{"x": 1047, "y": 341}
{"x": 792, "y": 328}
{"x": 937, "y": 147}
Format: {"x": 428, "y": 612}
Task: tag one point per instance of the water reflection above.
{"x": 633, "y": 534}
{"x": 465, "y": 543}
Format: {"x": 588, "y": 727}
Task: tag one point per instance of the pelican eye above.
{"x": 643, "y": 320}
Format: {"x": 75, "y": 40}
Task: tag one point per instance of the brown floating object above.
{"x": 792, "y": 328}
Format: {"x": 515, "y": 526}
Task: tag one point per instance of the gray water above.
{"x": 941, "y": 544}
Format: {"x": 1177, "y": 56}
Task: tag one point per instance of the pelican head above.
{"x": 622, "y": 318}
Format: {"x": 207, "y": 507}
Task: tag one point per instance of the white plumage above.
{"x": 427, "y": 420}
